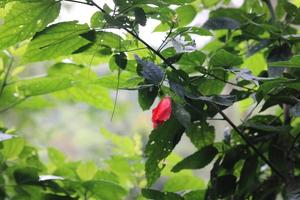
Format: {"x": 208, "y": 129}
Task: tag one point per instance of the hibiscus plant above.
{"x": 229, "y": 82}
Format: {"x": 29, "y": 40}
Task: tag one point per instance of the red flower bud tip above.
{"x": 162, "y": 112}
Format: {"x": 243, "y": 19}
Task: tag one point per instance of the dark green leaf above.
{"x": 28, "y": 175}
{"x": 233, "y": 155}
{"x": 121, "y": 60}
{"x": 248, "y": 175}
{"x": 197, "y": 160}
{"x": 140, "y": 16}
{"x": 201, "y": 134}
{"x": 157, "y": 195}
{"x": 146, "y": 97}
{"x": 161, "y": 142}
{"x": 225, "y": 185}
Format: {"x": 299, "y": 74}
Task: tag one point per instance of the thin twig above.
{"x": 164, "y": 43}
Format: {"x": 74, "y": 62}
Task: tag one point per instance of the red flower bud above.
{"x": 162, "y": 112}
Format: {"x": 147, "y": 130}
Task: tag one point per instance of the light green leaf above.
{"x": 17, "y": 92}
{"x": 13, "y": 147}
{"x": 56, "y": 157}
{"x": 186, "y": 14}
{"x": 60, "y": 39}
{"x": 86, "y": 171}
{"x": 182, "y": 182}
{"x": 26, "y": 18}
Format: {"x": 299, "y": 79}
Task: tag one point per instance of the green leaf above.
{"x": 21, "y": 90}
{"x": 294, "y": 62}
{"x": 127, "y": 79}
{"x": 146, "y": 97}
{"x": 201, "y": 134}
{"x": 182, "y": 115}
{"x": 27, "y": 175}
{"x": 177, "y": 2}
{"x": 183, "y": 182}
{"x": 185, "y": 14}
{"x": 225, "y": 185}
{"x": 86, "y": 171}
{"x": 13, "y": 147}
{"x": 97, "y": 20}
{"x": 140, "y": 16}
{"x": 105, "y": 190}
{"x": 210, "y": 3}
{"x": 195, "y": 195}
{"x": 162, "y": 141}
{"x": 223, "y": 58}
{"x": 91, "y": 94}
{"x": 157, "y": 195}
{"x": 60, "y": 39}
{"x": 222, "y": 100}
{"x": 197, "y": 160}
{"x": 24, "y": 19}
{"x": 121, "y": 60}
{"x": 195, "y": 58}
{"x": 56, "y": 157}
{"x": 233, "y": 155}
{"x": 248, "y": 175}
{"x": 218, "y": 23}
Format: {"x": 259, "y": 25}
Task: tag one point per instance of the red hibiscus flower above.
{"x": 162, "y": 112}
